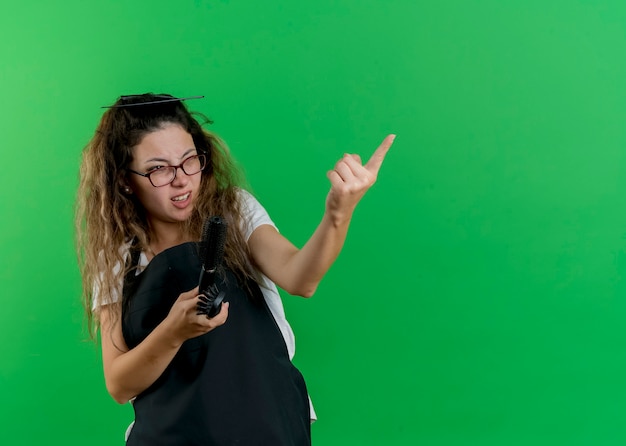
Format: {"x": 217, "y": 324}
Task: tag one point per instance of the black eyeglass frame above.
{"x": 200, "y": 156}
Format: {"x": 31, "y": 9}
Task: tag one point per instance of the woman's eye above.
{"x": 152, "y": 169}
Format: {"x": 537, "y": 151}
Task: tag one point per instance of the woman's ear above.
{"x": 126, "y": 189}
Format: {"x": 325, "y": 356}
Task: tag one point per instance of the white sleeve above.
{"x": 116, "y": 293}
{"x": 254, "y": 215}
{"x": 97, "y": 299}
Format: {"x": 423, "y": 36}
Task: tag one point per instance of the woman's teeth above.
{"x": 181, "y": 197}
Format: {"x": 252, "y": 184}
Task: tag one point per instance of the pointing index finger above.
{"x": 376, "y": 160}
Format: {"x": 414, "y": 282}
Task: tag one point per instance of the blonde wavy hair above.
{"x": 107, "y": 220}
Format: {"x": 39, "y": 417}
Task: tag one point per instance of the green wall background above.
{"x": 480, "y": 297}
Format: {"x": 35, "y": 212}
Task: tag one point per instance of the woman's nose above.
{"x": 180, "y": 177}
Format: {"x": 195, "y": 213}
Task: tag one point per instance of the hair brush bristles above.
{"x": 212, "y": 242}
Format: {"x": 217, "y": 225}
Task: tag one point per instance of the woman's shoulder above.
{"x": 252, "y": 212}
{"x": 250, "y": 206}
{"x": 245, "y": 197}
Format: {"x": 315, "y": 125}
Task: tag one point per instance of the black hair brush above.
{"x": 211, "y": 254}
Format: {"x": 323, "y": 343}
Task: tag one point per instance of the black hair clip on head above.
{"x": 153, "y": 99}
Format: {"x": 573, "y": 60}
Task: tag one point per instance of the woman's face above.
{"x": 173, "y": 203}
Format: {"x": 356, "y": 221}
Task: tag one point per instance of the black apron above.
{"x": 232, "y": 386}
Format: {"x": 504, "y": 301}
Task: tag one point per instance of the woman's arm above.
{"x": 299, "y": 271}
{"x": 129, "y": 372}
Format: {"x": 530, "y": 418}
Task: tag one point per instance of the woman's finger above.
{"x": 344, "y": 170}
{"x": 376, "y": 160}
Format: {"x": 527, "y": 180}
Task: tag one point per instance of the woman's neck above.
{"x": 164, "y": 238}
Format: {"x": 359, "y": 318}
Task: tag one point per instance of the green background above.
{"x": 480, "y": 296}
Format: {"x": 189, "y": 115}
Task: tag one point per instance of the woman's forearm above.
{"x": 308, "y": 265}
{"x": 130, "y": 373}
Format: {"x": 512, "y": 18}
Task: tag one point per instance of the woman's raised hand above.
{"x": 350, "y": 179}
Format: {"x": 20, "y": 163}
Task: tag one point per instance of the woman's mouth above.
{"x": 181, "y": 197}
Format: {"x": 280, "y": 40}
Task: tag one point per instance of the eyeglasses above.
{"x": 163, "y": 175}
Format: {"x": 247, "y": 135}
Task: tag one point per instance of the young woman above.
{"x": 150, "y": 177}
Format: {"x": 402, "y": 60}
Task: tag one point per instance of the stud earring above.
{"x": 127, "y": 190}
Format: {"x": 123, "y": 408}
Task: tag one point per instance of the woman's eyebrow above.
{"x": 154, "y": 160}
{"x": 163, "y": 160}
{"x": 187, "y": 153}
